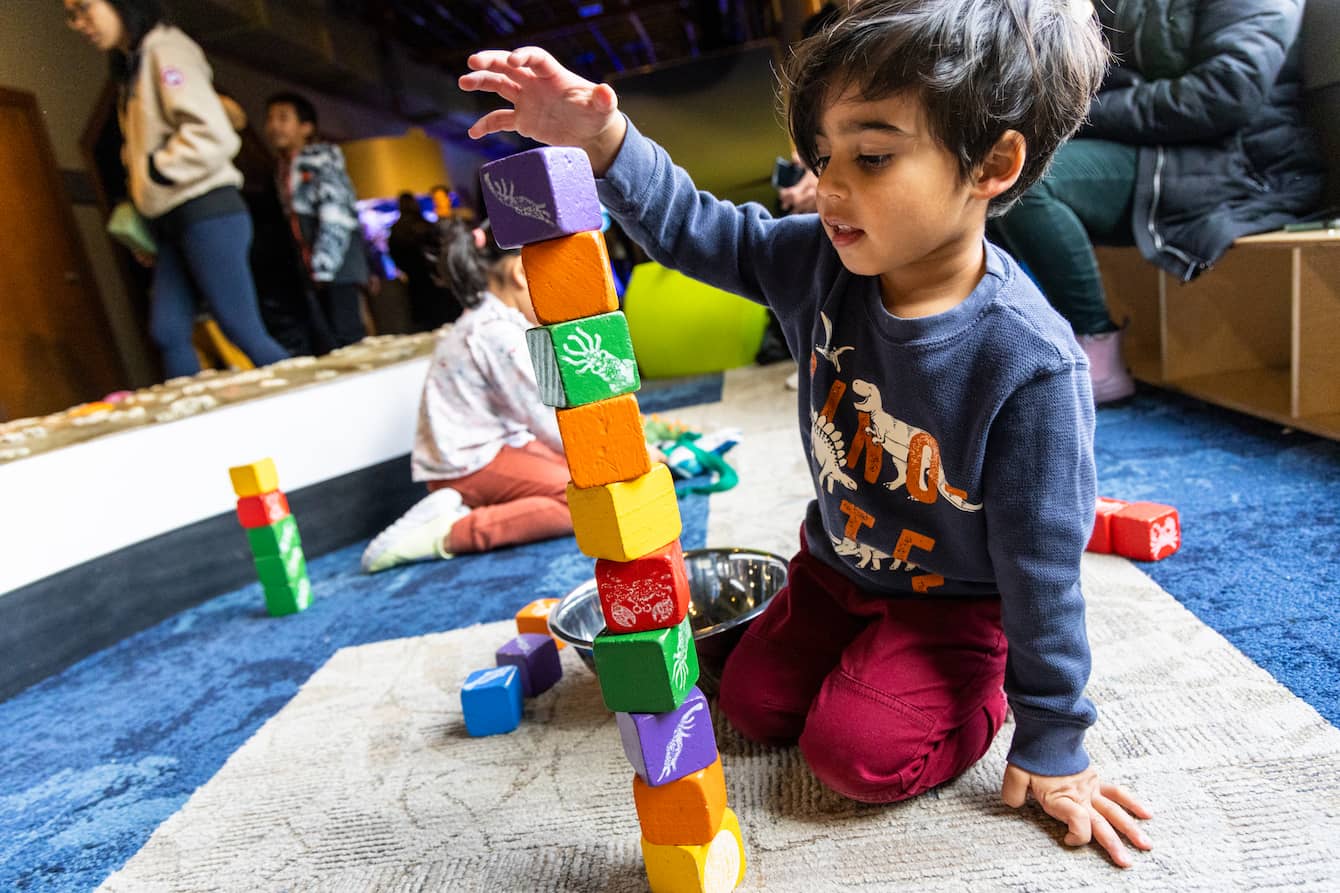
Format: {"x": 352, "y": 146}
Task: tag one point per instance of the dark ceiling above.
{"x": 596, "y": 38}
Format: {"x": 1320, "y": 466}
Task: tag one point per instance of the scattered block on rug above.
{"x": 715, "y": 867}
{"x": 1101, "y": 538}
{"x": 583, "y": 360}
{"x": 569, "y": 278}
{"x": 651, "y": 592}
{"x": 535, "y": 657}
{"x": 646, "y": 672}
{"x": 626, "y": 520}
{"x": 1146, "y": 531}
{"x": 603, "y": 441}
{"x": 665, "y": 747}
{"x": 685, "y": 811}
{"x": 544, "y": 193}
{"x": 491, "y": 701}
{"x": 254, "y": 478}
{"x": 534, "y": 618}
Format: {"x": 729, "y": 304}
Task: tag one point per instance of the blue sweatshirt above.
{"x": 952, "y": 455}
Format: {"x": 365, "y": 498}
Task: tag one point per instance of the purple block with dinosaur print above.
{"x": 665, "y": 747}
{"x": 541, "y": 194}
{"x": 535, "y": 657}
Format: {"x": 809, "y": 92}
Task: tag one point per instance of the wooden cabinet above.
{"x": 1258, "y": 333}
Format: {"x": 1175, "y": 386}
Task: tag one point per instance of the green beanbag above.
{"x": 683, "y": 327}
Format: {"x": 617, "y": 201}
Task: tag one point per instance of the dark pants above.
{"x": 888, "y": 697}
{"x": 208, "y": 259}
{"x": 340, "y": 305}
{"x": 1084, "y": 200}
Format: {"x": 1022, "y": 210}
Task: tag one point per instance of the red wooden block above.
{"x": 1146, "y": 531}
{"x": 651, "y": 592}
{"x": 262, "y": 509}
{"x": 1101, "y": 540}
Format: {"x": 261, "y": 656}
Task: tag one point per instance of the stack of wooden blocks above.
{"x": 273, "y": 534}
{"x": 625, "y": 516}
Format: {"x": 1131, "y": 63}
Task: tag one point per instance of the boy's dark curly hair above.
{"x": 979, "y": 67}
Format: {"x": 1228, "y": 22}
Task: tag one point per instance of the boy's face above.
{"x": 283, "y": 129}
{"x": 890, "y": 195}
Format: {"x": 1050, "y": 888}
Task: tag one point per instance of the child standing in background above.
{"x": 486, "y": 446}
{"x": 944, "y": 406}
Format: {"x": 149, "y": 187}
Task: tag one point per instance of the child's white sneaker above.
{"x": 419, "y": 533}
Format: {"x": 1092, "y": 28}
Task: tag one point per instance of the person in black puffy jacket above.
{"x": 1197, "y": 138}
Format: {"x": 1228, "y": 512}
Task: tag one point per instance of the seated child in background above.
{"x": 944, "y": 405}
{"x": 486, "y": 446}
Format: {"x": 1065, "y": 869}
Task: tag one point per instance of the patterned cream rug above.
{"x": 366, "y": 780}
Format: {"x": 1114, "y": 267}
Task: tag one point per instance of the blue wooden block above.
{"x": 491, "y": 701}
{"x": 536, "y": 658}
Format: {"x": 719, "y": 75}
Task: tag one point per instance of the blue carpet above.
{"x": 98, "y": 756}
{"x": 1260, "y": 559}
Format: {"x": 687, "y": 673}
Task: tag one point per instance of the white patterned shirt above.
{"x": 480, "y": 395}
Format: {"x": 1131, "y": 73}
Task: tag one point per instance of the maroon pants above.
{"x": 888, "y": 697}
{"x": 519, "y": 497}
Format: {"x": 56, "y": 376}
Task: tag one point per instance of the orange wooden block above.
{"x": 687, "y": 811}
{"x": 603, "y": 441}
{"x": 1101, "y": 538}
{"x": 570, "y": 277}
{"x": 534, "y": 618}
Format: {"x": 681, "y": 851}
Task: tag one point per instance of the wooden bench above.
{"x": 1260, "y": 332}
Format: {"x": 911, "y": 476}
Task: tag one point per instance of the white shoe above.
{"x": 793, "y": 381}
{"x": 419, "y": 533}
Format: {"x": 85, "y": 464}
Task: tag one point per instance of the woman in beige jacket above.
{"x": 178, "y": 155}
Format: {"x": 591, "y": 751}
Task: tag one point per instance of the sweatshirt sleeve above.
{"x": 739, "y": 249}
{"x": 336, "y": 217}
{"x": 1037, "y": 526}
{"x": 500, "y": 352}
{"x": 202, "y": 139}
{"x": 1236, "y": 59}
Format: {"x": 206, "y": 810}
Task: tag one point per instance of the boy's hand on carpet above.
{"x": 1091, "y": 809}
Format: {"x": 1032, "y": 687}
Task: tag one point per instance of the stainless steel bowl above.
{"x": 728, "y": 588}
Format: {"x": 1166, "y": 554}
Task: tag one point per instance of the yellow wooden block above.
{"x": 534, "y": 618}
{"x": 254, "y": 479}
{"x": 626, "y": 520}
{"x": 715, "y": 867}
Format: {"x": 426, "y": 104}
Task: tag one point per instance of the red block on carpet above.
{"x": 1101, "y": 539}
{"x": 1146, "y": 531}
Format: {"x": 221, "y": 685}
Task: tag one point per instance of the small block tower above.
{"x": 273, "y": 536}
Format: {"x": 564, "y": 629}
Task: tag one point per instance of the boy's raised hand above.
{"x": 549, "y": 103}
{"x": 1091, "y": 809}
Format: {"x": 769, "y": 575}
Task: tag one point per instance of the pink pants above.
{"x": 519, "y": 497}
{"x": 888, "y": 697}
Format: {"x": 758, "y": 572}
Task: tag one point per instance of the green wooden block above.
{"x": 284, "y": 579}
{"x": 277, "y": 569}
{"x": 288, "y": 597}
{"x": 583, "y": 360}
{"x": 647, "y": 672}
{"x": 274, "y": 539}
